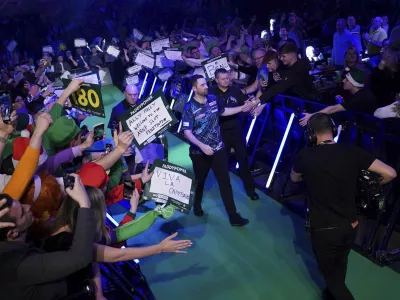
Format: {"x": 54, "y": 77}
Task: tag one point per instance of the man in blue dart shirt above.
{"x": 200, "y": 123}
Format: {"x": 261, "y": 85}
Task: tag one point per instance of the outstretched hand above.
{"x": 248, "y": 106}
{"x": 169, "y": 245}
{"x": 303, "y": 121}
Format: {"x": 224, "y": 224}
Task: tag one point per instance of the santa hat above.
{"x": 357, "y": 77}
{"x": 20, "y": 145}
{"x": 93, "y": 175}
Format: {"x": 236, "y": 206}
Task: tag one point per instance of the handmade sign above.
{"x": 113, "y": 51}
{"x": 163, "y": 62}
{"x": 158, "y": 45}
{"x": 137, "y": 34}
{"x": 149, "y": 119}
{"x": 91, "y": 76}
{"x": 87, "y": 99}
{"x": 80, "y": 43}
{"x": 134, "y": 79}
{"x": 165, "y": 74}
{"x": 145, "y": 60}
{"x": 213, "y": 64}
{"x": 11, "y": 46}
{"x": 48, "y": 49}
{"x": 134, "y": 69}
{"x": 171, "y": 184}
{"x": 173, "y": 55}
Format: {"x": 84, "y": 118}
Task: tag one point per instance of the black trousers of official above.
{"x": 332, "y": 248}
{"x": 234, "y": 139}
{"x": 218, "y": 162}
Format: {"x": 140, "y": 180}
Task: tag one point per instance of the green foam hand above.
{"x": 140, "y": 225}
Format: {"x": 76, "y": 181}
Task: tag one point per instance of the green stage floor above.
{"x": 269, "y": 259}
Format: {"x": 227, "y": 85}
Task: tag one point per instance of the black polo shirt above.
{"x": 233, "y": 97}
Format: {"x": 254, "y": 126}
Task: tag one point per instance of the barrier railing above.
{"x": 278, "y": 125}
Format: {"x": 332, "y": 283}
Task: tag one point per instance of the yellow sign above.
{"x": 88, "y": 99}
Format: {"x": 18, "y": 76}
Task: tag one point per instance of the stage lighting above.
{"x": 154, "y": 84}
{"x": 278, "y": 155}
{"x": 248, "y": 135}
{"x": 143, "y": 85}
{"x": 310, "y": 53}
{"x": 111, "y": 219}
{"x": 336, "y": 139}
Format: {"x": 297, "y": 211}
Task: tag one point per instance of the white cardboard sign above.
{"x": 145, "y": 60}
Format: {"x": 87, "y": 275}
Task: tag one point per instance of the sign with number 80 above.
{"x": 88, "y": 99}
{"x": 85, "y": 98}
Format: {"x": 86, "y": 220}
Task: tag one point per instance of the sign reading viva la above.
{"x": 148, "y": 119}
{"x": 87, "y": 99}
{"x": 213, "y": 64}
{"x": 171, "y": 184}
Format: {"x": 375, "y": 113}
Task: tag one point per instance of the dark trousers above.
{"x": 332, "y": 248}
{"x": 219, "y": 164}
{"x": 234, "y": 139}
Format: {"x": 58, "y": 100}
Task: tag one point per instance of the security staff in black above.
{"x": 330, "y": 172}
{"x": 231, "y": 127}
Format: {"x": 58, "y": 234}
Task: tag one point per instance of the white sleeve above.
{"x": 386, "y": 112}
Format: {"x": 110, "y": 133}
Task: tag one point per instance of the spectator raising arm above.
{"x": 327, "y": 110}
{"x": 124, "y": 141}
{"x": 27, "y": 166}
{"x": 6, "y": 130}
{"x": 110, "y": 254}
{"x": 45, "y": 267}
{"x": 72, "y": 87}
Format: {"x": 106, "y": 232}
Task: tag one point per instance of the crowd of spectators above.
{"x": 266, "y": 58}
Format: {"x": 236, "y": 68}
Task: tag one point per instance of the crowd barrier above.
{"x": 275, "y": 137}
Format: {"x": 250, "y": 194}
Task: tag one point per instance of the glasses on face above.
{"x": 132, "y": 95}
{"x": 258, "y": 58}
{"x": 195, "y": 51}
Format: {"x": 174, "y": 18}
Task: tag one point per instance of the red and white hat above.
{"x": 20, "y": 145}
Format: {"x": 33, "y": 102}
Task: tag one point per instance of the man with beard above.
{"x": 201, "y": 127}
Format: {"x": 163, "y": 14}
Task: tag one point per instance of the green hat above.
{"x": 188, "y": 45}
{"x": 62, "y": 132}
{"x": 147, "y": 39}
{"x": 357, "y": 77}
{"x": 211, "y": 45}
{"x": 245, "y": 50}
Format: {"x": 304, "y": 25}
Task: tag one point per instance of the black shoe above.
{"x": 198, "y": 212}
{"x": 237, "y": 220}
{"x": 253, "y": 196}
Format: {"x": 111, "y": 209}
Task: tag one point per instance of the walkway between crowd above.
{"x": 270, "y": 259}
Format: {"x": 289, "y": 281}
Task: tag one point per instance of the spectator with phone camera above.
{"x": 33, "y": 271}
{"x": 65, "y": 227}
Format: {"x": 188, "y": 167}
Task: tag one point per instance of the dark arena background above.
{"x": 136, "y": 59}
